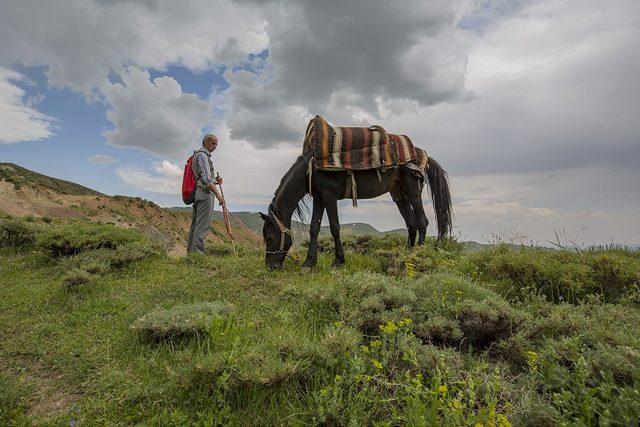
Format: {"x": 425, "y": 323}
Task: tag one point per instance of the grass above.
{"x": 20, "y": 177}
{"x": 451, "y": 340}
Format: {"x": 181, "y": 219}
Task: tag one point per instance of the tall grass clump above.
{"x": 560, "y": 275}
{"x": 16, "y": 233}
{"x": 180, "y": 321}
{"x": 78, "y": 236}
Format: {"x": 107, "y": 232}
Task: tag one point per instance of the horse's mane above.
{"x": 302, "y": 207}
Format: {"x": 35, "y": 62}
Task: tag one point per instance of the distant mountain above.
{"x": 300, "y": 230}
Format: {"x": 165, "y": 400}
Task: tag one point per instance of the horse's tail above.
{"x": 439, "y": 186}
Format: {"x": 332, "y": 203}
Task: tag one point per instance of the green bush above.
{"x": 476, "y": 312}
{"x": 444, "y": 308}
{"x": 68, "y": 239}
{"x": 181, "y": 321}
{"x": 100, "y": 261}
{"x": 559, "y": 275}
{"x": 565, "y": 373}
{"x": 76, "y": 277}
{"x": 16, "y": 233}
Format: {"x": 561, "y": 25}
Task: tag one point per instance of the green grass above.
{"x": 432, "y": 336}
{"x": 20, "y": 176}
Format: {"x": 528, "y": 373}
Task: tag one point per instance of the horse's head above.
{"x": 277, "y": 238}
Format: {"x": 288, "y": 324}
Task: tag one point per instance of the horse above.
{"x": 327, "y": 187}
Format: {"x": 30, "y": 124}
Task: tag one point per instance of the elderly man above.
{"x": 205, "y": 190}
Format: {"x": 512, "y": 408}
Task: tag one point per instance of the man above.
{"x": 205, "y": 190}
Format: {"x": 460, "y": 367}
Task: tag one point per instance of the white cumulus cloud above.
{"x": 163, "y": 177}
{"x": 155, "y": 116}
{"x": 19, "y": 120}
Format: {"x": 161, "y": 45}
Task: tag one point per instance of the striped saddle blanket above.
{"x": 358, "y": 148}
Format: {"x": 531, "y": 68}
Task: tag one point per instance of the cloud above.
{"x": 339, "y": 59}
{"x": 154, "y": 115}
{"x": 165, "y": 177}
{"x": 167, "y": 168}
{"x": 82, "y": 41}
{"x": 550, "y": 92}
{"x": 19, "y": 119}
{"x": 102, "y": 159}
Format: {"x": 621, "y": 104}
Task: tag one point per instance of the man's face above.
{"x": 211, "y": 144}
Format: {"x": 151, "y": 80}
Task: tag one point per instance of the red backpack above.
{"x": 188, "y": 182}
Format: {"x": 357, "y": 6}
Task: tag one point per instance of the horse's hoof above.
{"x": 305, "y": 269}
{"x": 337, "y": 264}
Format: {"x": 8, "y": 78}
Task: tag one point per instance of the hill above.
{"x": 24, "y": 193}
{"x": 19, "y": 176}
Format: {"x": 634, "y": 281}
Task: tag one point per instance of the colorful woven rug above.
{"x": 357, "y": 148}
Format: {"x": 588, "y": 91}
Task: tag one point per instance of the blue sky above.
{"x": 531, "y": 106}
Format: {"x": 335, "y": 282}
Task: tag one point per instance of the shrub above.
{"x": 76, "y": 277}
{"x": 181, "y": 321}
{"x": 560, "y": 275}
{"x": 444, "y": 308}
{"x": 68, "y": 239}
{"x": 16, "y": 233}
{"x": 455, "y": 307}
{"x": 129, "y": 253}
{"x": 487, "y": 321}
{"x": 565, "y": 373}
{"x": 439, "y": 330}
{"x": 99, "y": 261}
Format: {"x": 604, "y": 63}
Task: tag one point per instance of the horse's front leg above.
{"x": 332, "y": 213}
{"x": 314, "y": 230}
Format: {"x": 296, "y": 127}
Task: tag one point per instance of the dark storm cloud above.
{"x": 338, "y": 58}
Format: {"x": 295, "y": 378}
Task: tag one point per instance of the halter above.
{"x": 283, "y": 231}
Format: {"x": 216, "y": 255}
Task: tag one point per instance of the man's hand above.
{"x": 218, "y": 180}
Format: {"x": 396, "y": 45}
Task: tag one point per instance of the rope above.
{"x": 251, "y": 232}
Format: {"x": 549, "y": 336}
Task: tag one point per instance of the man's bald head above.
{"x": 210, "y": 141}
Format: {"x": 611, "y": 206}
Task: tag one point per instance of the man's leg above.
{"x": 190, "y": 241}
{"x": 203, "y": 218}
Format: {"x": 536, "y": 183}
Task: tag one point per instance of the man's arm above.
{"x": 203, "y": 165}
{"x": 214, "y": 190}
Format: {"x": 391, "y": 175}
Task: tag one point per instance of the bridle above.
{"x": 283, "y": 229}
{"x": 283, "y": 232}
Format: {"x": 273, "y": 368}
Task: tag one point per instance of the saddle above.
{"x": 357, "y": 148}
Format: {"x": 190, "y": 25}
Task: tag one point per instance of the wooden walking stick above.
{"x": 225, "y": 212}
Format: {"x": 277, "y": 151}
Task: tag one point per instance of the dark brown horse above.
{"x": 327, "y": 187}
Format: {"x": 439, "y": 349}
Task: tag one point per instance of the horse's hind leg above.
{"x": 407, "y": 214}
{"x": 334, "y": 224}
{"x": 413, "y": 192}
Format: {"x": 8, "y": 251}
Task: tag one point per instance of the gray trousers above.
{"x": 200, "y": 220}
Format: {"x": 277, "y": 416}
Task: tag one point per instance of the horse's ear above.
{"x": 264, "y": 217}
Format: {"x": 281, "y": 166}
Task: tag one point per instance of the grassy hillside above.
{"x": 20, "y": 176}
{"x": 28, "y": 194}
{"x": 101, "y": 327}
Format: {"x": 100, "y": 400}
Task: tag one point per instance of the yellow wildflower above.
{"x": 389, "y": 328}
{"x": 377, "y": 364}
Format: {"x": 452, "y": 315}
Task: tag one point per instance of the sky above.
{"x": 532, "y": 107}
